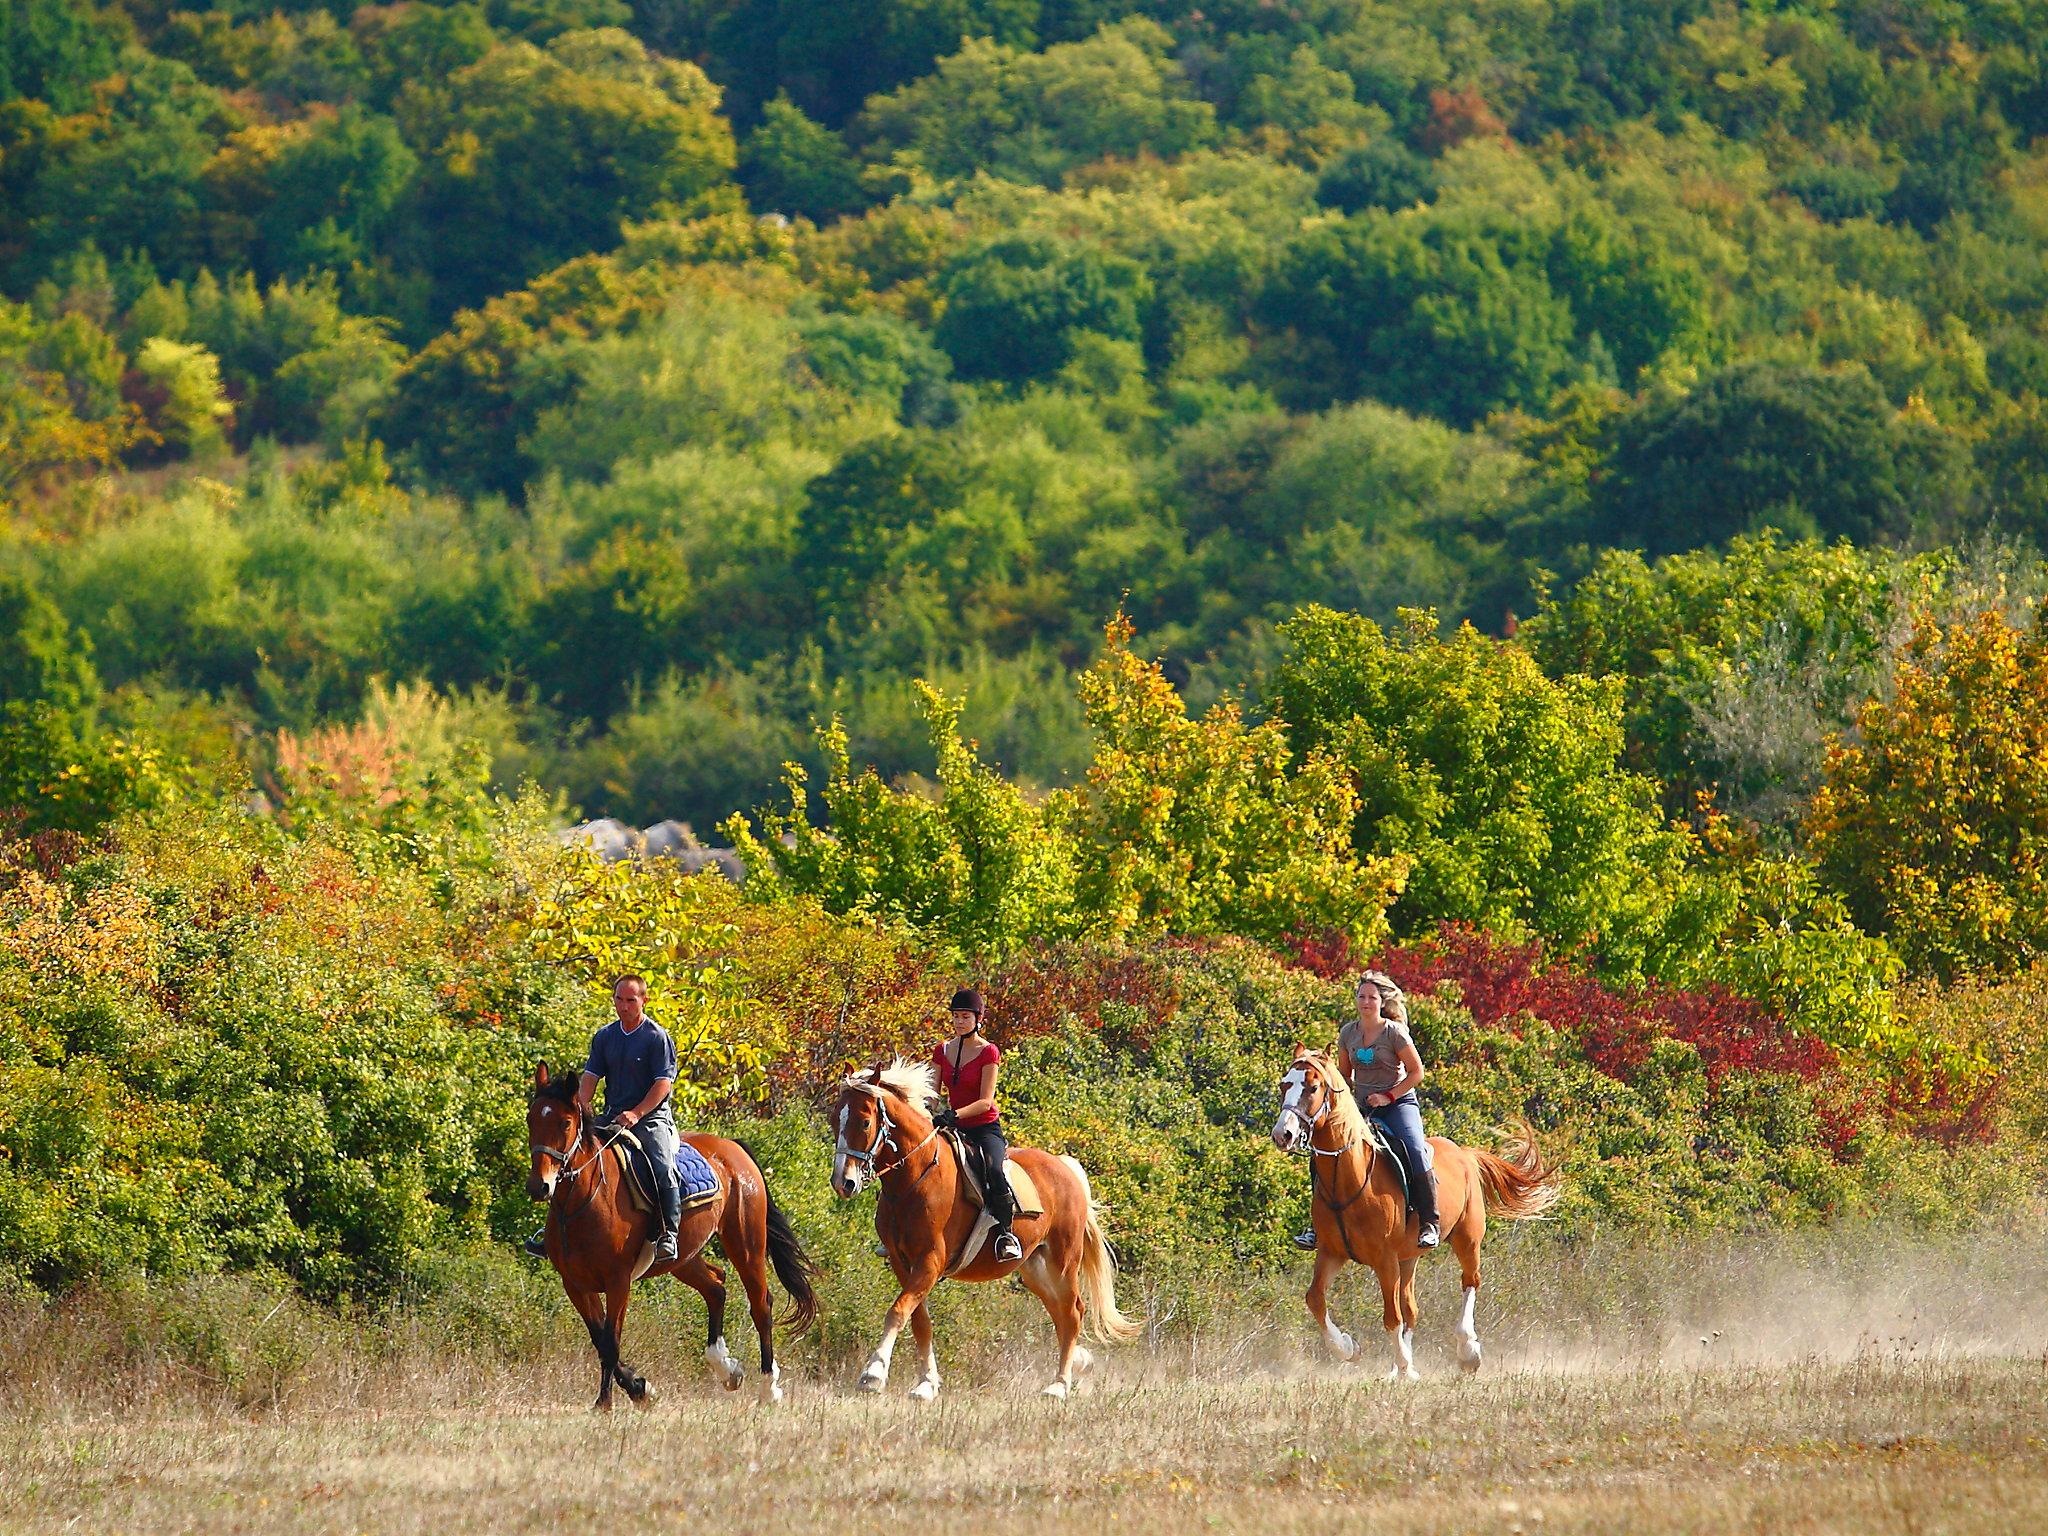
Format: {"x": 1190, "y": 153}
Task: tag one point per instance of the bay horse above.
{"x": 1360, "y": 1205}
{"x": 600, "y": 1242}
{"x": 885, "y": 1133}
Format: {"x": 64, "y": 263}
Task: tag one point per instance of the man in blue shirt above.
{"x": 636, "y": 1060}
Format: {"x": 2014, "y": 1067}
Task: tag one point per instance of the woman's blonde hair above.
{"x": 1393, "y": 1001}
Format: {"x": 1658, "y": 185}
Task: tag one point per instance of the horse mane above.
{"x": 1350, "y": 1118}
{"x": 911, "y": 1081}
{"x": 560, "y": 1086}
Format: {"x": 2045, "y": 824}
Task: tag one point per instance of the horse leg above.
{"x": 916, "y": 1287}
{"x": 589, "y": 1306}
{"x": 708, "y": 1281}
{"x": 1062, "y": 1298}
{"x": 927, "y": 1386}
{"x": 1390, "y": 1297}
{"x": 617, "y": 1299}
{"x": 1410, "y": 1313}
{"x": 1465, "y": 1242}
{"x": 1340, "y": 1343}
{"x": 752, "y": 1265}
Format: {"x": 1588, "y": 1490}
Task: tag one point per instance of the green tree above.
{"x": 790, "y": 164}
{"x": 1435, "y": 314}
{"x": 1503, "y": 788}
{"x": 532, "y": 157}
{"x": 1930, "y": 821}
{"x": 1015, "y": 305}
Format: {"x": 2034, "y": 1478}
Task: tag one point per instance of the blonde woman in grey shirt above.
{"x": 1377, "y": 1056}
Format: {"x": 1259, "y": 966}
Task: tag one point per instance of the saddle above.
{"x": 1383, "y": 1144}
{"x": 974, "y": 1184}
{"x": 699, "y": 1180}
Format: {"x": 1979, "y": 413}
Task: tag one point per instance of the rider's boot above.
{"x": 1425, "y": 1212}
{"x": 671, "y": 1221}
{"x": 1306, "y": 1240}
{"x": 536, "y": 1245}
{"x": 1007, "y": 1250}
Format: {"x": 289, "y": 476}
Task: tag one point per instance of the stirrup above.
{"x": 1306, "y": 1241}
{"x": 536, "y": 1246}
{"x": 1428, "y": 1237}
{"x": 1008, "y": 1250}
{"x": 665, "y": 1248}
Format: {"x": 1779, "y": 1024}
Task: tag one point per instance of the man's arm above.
{"x": 586, "y": 1090}
{"x": 663, "y": 1087}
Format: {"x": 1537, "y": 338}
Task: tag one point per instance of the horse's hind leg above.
{"x": 752, "y": 1265}
{"x": 708, "y": 1281}
{"x": 1340, "y": 1343}
{"x": 927, "y": 1386}
{"x": 1062, "y": 1298}
{"x": 1465, "y": 1242}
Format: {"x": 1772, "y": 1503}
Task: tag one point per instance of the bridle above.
{"x": 884, "y": 1139}
{"x": 1336, "y": 1208}
{"x": 570, "y": 1170}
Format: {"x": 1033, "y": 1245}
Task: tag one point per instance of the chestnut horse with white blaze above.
{"x": 883, "y": 1118}
{"x": 600, "y": 1242}
{"x": 1360, "y": 1206}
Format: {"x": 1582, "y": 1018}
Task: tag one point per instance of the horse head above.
{"x": 874, "y": 1110}
{"x": 1308, "y": 1091}
{"x": 555, "y": 1124}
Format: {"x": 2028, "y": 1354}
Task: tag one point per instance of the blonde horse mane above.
{"x": 1343, "y": 1107}
{"x": 911, "y": 1081}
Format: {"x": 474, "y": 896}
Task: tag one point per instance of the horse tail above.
{"x": 1517, "y": 1185}
{"x": 795, "y": 1268}
{"x": 1098, "y": 1273}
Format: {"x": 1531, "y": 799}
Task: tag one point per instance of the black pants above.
{"x": 995, "y": 1156}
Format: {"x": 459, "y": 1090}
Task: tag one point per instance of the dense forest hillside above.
{"x": 1552, "y": 484}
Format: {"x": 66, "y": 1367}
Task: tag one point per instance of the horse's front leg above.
{"x": 590, "y": 1306}
{"x": 617, "y": 1299}
{"x": 1340, "y": 1343}
{"x": 1396, "y": 1325}
{"x": 927, "y": 1386}
{"x": 917, "y": 1285}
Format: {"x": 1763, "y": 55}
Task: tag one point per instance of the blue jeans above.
{"x": 658, "y": 1135}
{"x": 1402, "y": 1121}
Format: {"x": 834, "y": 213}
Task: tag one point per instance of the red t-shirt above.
{"x": 964, "y": 1087}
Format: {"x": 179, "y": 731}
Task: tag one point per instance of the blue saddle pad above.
{"x": 694, "y": 1173}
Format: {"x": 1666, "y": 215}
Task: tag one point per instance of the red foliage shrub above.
{"x": 1455, "y": 116}
{"x": 1326, "y": 952}
{"x": 1036, "y": 993}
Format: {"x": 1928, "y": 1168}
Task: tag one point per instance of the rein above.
{"x": 1337, "y": 1208}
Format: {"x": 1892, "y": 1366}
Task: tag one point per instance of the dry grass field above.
{"x": 1840, "y": 1388}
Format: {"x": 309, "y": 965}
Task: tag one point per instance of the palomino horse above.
{"x": 600, "y": 1242}
{"x": 1360, "y": 1210}
{"x": 883, "y": 1118}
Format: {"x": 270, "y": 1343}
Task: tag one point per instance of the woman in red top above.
{"x": 967, "y": 1070}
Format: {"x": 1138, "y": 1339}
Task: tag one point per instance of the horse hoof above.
{"x": 1057, "y": 1391}
{"x": 871, "y": 1381}
{"x": 644, "y": 1398}
{"x": 602, "y": 1405}
{"x": 771, "y": 1386}
{"x": 924, "y": 1391}
{"x": 1469, "y": 1357}
{"x": 1083, "y": 1361}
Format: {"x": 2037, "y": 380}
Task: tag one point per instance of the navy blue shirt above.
{"x": 631, "y": 1064}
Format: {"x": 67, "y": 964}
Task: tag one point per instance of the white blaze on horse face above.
{"x": 1287, "y": 1129}
{"x": 846, "y": 1173}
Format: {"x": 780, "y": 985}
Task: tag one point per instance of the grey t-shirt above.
{"x": 1375, "y": 1064}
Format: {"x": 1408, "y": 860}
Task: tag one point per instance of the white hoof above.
{"x": 1056, "y": 1391}
{"x": 1084, "y": 1361}
{"x": 725, "y": 1370}
{"x": 873, "y": 1379}
{"x": 1400, "y": 1374}
{"x": 1468, "y": 1355}
{"x": 771, "y": 1385}
{"x": 925, "y": 1390}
